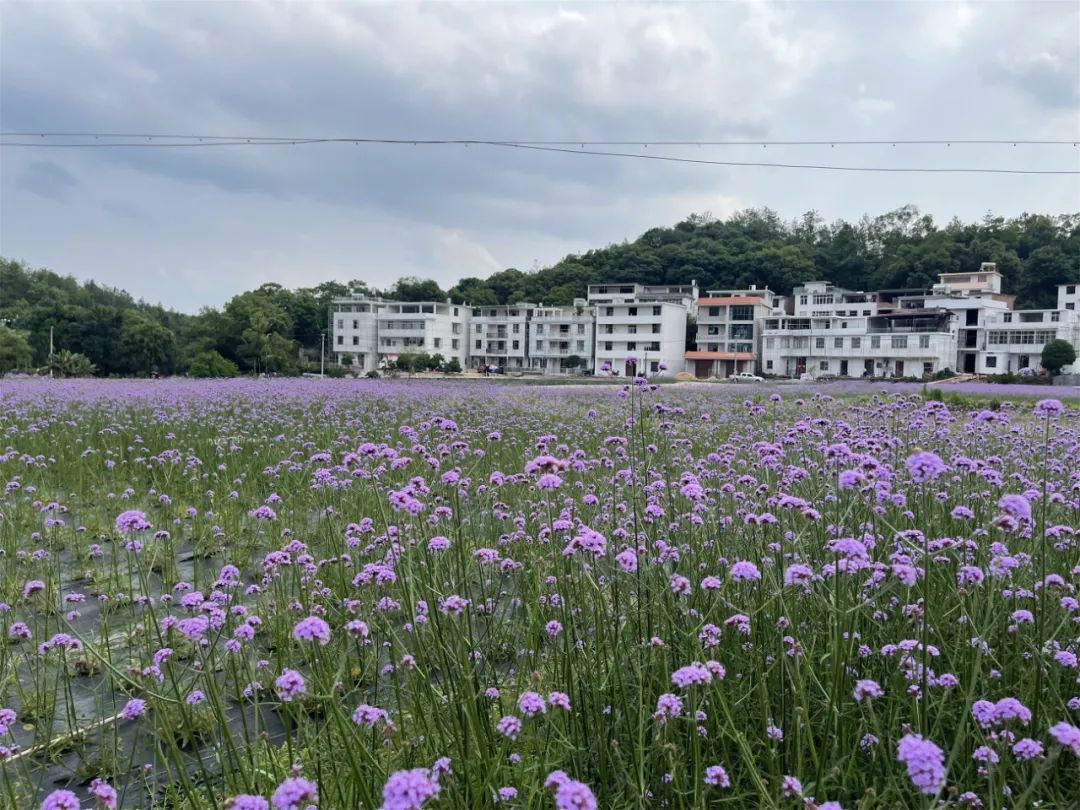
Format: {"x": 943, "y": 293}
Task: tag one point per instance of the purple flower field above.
{"x": 292, "y": 594}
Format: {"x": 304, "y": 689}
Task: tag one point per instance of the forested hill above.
{"x": 272, "y": 327}
{"x": 896, "y": 250}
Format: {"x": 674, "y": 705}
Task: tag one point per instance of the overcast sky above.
{"x": 191, "y": 227}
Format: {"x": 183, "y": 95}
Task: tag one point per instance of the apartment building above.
{"x": 367, "y": 333}
{"x": 848, "y": 333}
{"x": 559, "y": 333}
{"x": 499, "y": 337}
{"x": 728, "y": 333}
{"x": 643, "y": 322}
{"x": 354, "y": 333}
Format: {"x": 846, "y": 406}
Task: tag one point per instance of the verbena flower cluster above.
{"x": 285, "y": 595}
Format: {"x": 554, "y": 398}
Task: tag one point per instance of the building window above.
{"x": 478, "y": 344}
{"x": 607, "y": 346}
{"x": 631, "y": 346}
{"x": 581, "y": 345}
{"x": 455, "y": 312}
{"x": 899, "y": 341}
{"x": 340, "y": 340}
{"x": 355, "y": 324}
{"x": 875, "y": 342}
{"x": 802, "y": 300}
{"x": 838, "y": 343}
{"x": 631, "y": 311}
{"x": 713, "y": 330}
{"x": 819, "y": 343}
{"x": 856, "y": 343}
{"x": 656, "y": 328}
{"x": 1070, "y": 290}
{"x": 769, "y": 342}
{"x": 768, "y": 364}
{"x": 714, "y": 312}
{"x": 581, "y": 329}
{"x": 539, "y": 329}
{"x": 355, "y": 340}
{"x": 924, "y": 341}
{"x": 656, "y": 311}
{"x": 927, "y": 369}
{"x": 631, "y": 329}
{"x": 654, "y": 366}
{"x": 1070, "y": 305}
{"x": 454, "y": 343}
{"x": 866, "y": 312}
{"x": 517, "y": 328}
{"x": 824, "y": 365}
{"x": 1055, "y": 317}
{"x": 1007, "y": 317}
{"x": 653, "y": 347}
{"x": 515, "y": 344}
{"x": 437, "y": 342}
{"x": 539, "y": 345}
{"x": 341, "y": 323}
{"x": 991, "y": 361}
{"x": 742, "y": 313}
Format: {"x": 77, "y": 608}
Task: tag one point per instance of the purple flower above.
{"x": 104, "y": 794}
{"x": 743, "y": 571}
{"x": 61, "y": 800}
{"x": 369, "y": 716}
{"x": 312, "y": 629}
{"x": 925, "y": 466}
{"x": 690, "y": 675}
{"x": 247, "y": 802}
{"x": 1049, "y": 407}
{"x": 7, "y": 720}
{"x": 1017, "y": 506}
{"x": 32, "y": 587}
{"x": 509, "y": 726}
{"x": 867, "y": 689}
{"x": 716, "y": 775}
{"x": 132, "y": 521}
{"x": 925, "y": 763}
{"x": 1067, "y": 735}
{"x": 531, "y": 704}
{"x": 290, "y": 684}
{"x": 133, "y": 708}
{"x": 408, "y": 790}
{"x": 1027, "y": 748}
{"x": 573, "y": 795}
{"x": 294, "y": 794}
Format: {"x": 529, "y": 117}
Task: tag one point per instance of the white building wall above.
{"x": 556, "y": 333}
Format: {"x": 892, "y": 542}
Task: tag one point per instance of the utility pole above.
{"x": 50, "y": 352}
{"x": 322, "y": 354}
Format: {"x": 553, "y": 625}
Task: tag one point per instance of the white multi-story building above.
{"x": 832, "y": 331}
{"x": 354, "y": 331}
{"x": 728, "y": 338}
{"x": 559, "y": 333}
{"x": 427, "y": 327}
{"x": 646, "y": 324}
{"x": 499, "y": 337}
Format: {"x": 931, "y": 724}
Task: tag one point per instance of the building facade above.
{"x": 641, "y": 330}
{"x": 561, "y": 339}
{"x": 728, "y": 332}
{"x": 499, "y": 337}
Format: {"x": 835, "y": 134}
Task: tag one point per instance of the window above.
{"x": 819, "y": 343}
{"x": 479, "y": 343}
{"x": 875, "y": 342}
{"x": 769, "y": 342}
{"x": 455, "y": 328}
{"x": 1007, "y": 317}
{"x": 355, "y": 324}
{"x": 656, "y": 328}
{"x": 454, "y": 343}
{"x": 713, "y": 330}
{"x": 539, "y": 345}
{"x": 656, "y": 311}
{"x": 802, "y": 300}
{"x": 631, "y": 346}
{"x": 515, "y": 345}
{"x": 899, "y": 341}
{"x": 455, "y": 312}
{"x": 609, "y": 311}
{"x": 843, "y": 324}
{"x": 1055, "y": 317}
{"x": 866, "y": 312}
{"x": 437, "y": 342}
{"x": 742, "y": 313}
{"x": 581, "y": 329}
{"x": 654, "y": 366}
{"x": 856, "y": 343}
{"x": 340, "y": 340}
{"x": 1070, "y": 290}
{"x": 927, "y": 369}
{"x": 741, "y": 331}
{"x": 581, "y": 345}
{"x": 631, "y": 311}
{"x": 341, "y": 323}
{"x": 924, "y": 341}
{"x": 991, "y": 361}
{"x": 768, "y": 364}
{"x": 517, "y": 328}
{"x": 820, "y": 300}
{"x": 607, "y": 345}
{"x": 1070, "y": 305}
{"x": 653, "y": 347}
{"x": 355, "y": 340}
{"x": 838, "y": 343}
{"x": 824, "y": 365}
{"x": 632, "y": 329}
{"x": 714, "y": 312}
{"x": 539, "y": 329}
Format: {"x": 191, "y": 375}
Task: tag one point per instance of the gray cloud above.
{"x": 193, "y": 226}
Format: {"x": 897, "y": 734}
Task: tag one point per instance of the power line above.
{"x": 563, "y": 147}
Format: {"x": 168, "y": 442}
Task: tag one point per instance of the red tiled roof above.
{"x": 737, "y": 299}
{"x": 719, "y": 355}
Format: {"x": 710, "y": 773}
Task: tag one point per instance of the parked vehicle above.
{"x": 746, "y": 376}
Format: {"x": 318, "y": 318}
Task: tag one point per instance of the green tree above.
{"x": 15, "y": 350}
{"x": 65, "y": 363}
{"x": 146, "y": 344}
{"x": 212, "y": 364}
{"x": 1057, "y": 354}
{"x": 452, "y": 367}
{"x": 416, "y": 289}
